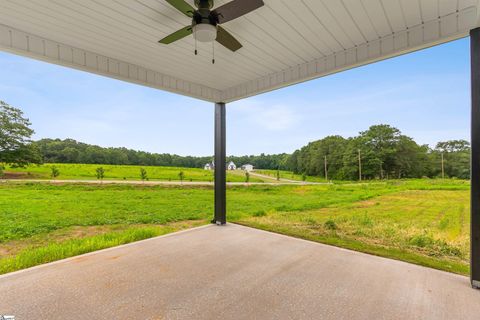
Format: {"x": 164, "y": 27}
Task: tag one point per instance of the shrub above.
{"x": 421, "y": 240}
{"x": 435, "y": 247}
{"x": 100, "y": 173}
{"x": 54, "y": 172}
{"x": 259, "y": 213}
{"x": 330, "y": 225}
{"x": 366, "y": 221}
{"x": 310, "y": 221}
{"x": 304, "y": 176}
{"x": 143, "y": 174}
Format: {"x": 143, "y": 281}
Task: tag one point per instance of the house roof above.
{"x": 284, "y": 42}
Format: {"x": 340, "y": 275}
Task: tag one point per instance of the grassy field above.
{"x": 121, "y": 172}
{"x": 420, "y": 221}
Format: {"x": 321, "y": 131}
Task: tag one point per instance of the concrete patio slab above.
{"x": 234, "y": 272}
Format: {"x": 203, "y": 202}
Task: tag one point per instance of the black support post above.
{"x": 475, "y": 160}
{"x": 220, "y": 165}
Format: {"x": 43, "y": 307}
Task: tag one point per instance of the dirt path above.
{"x": 136, "y": 182}
{"x": 264, "y": 176}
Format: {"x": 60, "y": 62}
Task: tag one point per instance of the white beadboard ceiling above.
{"x": 284, "y": 42}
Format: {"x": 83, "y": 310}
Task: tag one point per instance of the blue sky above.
{"x": 425, "y": 94}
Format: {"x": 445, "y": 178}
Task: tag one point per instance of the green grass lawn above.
{"x": 421, "y": 221}
{"x": 122, "y": 172}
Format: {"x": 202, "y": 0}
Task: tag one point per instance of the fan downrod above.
{"x": 204, "y": 4}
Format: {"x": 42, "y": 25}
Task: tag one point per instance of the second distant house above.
{"x": 209, "y": 166}
{"x": 247, "y": 167}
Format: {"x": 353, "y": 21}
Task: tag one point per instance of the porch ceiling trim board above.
{"x": 448, "y": 28}
{"x": 32, "y": 46}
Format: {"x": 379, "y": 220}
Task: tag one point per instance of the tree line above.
{"x": 71, "y": 151}
{"x": 381, "y": 152}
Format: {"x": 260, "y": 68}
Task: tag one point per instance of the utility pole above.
{"x": 359, "y": 166}
{"x": 326, "y": 172}
{"x": 443, "y": 168}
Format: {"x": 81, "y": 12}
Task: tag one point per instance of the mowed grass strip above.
{"x": 421, "y": 221}
{"x": 122, "y": 172}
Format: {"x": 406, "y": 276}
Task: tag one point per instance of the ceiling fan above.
{"x": 206, "y": 22}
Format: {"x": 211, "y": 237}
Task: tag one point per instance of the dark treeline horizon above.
{"x": 72, "y": 151}
{"x": 384, "y": 152}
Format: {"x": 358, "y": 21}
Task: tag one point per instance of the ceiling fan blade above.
{"x": 182, "y": 6}
{"x": 236, "y": 8}
{"x": 227, "y": 40}
{"x": 182, "y": 33}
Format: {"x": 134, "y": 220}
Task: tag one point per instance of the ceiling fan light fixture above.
{"x": 207, "y": 23}
{"x": 205, "y": 32}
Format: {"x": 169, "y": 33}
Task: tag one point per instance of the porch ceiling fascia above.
{"x": 32, "y": 46}
{"x": 429, "y": 34}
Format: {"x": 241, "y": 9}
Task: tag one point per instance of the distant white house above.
{"x": 247, "y": 167}
{"x": 209, "y": 166}
{"x": 231, "y": 166}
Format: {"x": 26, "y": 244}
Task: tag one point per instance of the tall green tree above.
{"x": 310, "y": 159}
{"x": 456, "y": 156}
{"x": 411, "y": 160}
{"x": 15, "y": 138}
{"x": 381, "y": 143}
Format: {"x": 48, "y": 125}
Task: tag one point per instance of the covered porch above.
{"x": 233, "y": 271}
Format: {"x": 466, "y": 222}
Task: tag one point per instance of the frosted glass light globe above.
{"x": 205, "y": 32}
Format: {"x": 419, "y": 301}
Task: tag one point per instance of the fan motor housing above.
{"x": 202, "y": 16}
